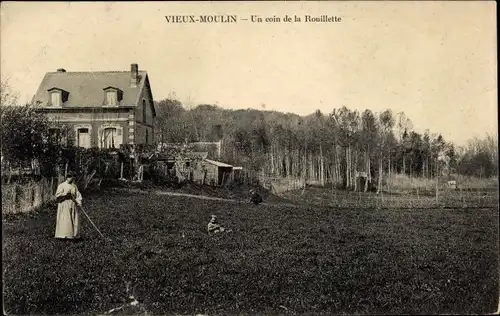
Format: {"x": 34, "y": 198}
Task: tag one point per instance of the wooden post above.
{"x": 10, "y": 173}
{"x": 121, "y": 170}
{"x": 463, "y": 198}
{"x": 418, "y": 196}
{"x": 66, "y": 170}
{"x": 478, "y": 192}
{"x": 14, "y": 198}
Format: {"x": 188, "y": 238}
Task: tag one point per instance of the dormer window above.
{"x": 112, "y": 96}
{"x": 57, "y": 96}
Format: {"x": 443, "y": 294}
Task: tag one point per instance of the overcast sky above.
{"x": 436, "y": 61}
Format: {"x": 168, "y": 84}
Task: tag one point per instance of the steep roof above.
{"x": 86, "y": 89}
{"x": 218, "y": 163}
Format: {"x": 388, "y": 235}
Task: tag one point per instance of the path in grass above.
{"x": 278, "y": 260}
{"x": 324, "y": 198}
{"x": 160, "y": 192}
{"x": 196, "y": 196}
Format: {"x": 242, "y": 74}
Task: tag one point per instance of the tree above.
{"x": 7, "y": 96}
{"x": 23, "y": 133}
{"x": 479, "y": 158}
{"x": 451, "y": 159}
{"x": 386, "y": 124}
{"x": 369, "y": 139}
{"x": 170, "y": 122}
{"x": 404, "y": 127}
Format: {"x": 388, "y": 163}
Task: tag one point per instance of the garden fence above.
{"x": 23, "y": 198}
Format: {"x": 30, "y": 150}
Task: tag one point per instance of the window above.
{"x": 111, "y": 98}
{"x": 55, "y": 99}
{"x": 57, "y": 96}
{"x": 83, "y": 139}
{"x": 144, "y": 111}
{"x": 109, "y": 138}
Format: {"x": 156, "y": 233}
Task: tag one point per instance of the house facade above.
{"x": 98, "y": 109}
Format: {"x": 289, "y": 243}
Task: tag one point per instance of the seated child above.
{"x": 214, "y": 227}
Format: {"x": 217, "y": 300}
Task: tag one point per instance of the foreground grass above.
{"x": 277, "y": 260}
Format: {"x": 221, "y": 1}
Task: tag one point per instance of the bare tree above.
{"x": 7, "y": 96}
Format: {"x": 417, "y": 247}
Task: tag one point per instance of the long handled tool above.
{"x": 81, "y": 207}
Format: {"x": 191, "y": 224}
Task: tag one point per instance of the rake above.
{"x": 88, "y": 217}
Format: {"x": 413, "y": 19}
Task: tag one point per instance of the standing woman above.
{"x": 68, "y": 217}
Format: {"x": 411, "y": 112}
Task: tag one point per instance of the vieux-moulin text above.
{"x": 201, "y": 18}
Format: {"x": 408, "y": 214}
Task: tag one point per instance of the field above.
{"x": 279, "y": 259}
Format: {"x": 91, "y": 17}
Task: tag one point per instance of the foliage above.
{"x": 320, "y": 147}
{"x": 7, "y": 96}
{"x": 479, "y": 158}
{"x": 24, "y": 134}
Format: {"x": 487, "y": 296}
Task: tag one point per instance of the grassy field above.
{"x": 278, "y": 259}
{"x": 450, "y": 198}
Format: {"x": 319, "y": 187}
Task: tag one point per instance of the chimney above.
{"x": 61, "y": 70}
{"x": 134, "y": 75}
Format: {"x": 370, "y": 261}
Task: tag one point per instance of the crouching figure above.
{"x": 214, "y": 227}
{"x": 255, "y": 198}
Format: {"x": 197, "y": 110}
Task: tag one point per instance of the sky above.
{"x": 434, "y": 61}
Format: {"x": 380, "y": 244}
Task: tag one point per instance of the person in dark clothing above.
{"x": 255, "y": 198}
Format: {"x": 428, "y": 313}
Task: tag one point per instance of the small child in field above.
{"x": 214, "y": 227}
{"x": 255, "y": 198}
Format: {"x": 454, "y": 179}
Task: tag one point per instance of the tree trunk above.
{"x": 379, "y": 186}
{"x": 389, "y": 164}
{"x": 10, "y": 173}
{"x": 347, "y": 168}
{"x": 355, "y": 170}
{"x": 322, "y": 166}
{"x": 437, "y": 187}
{"x": 367, "y": 168}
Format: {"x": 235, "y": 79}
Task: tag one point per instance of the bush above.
{"x": 23, "y": 135}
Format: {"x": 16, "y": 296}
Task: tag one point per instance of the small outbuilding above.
{"x": 195, "y": 167}
{"x": 216, "y": 173}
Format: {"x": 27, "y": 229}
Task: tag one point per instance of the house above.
{"x": 98, "y": 109}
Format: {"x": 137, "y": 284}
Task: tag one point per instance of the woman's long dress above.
{"x": 68, "y": 216}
